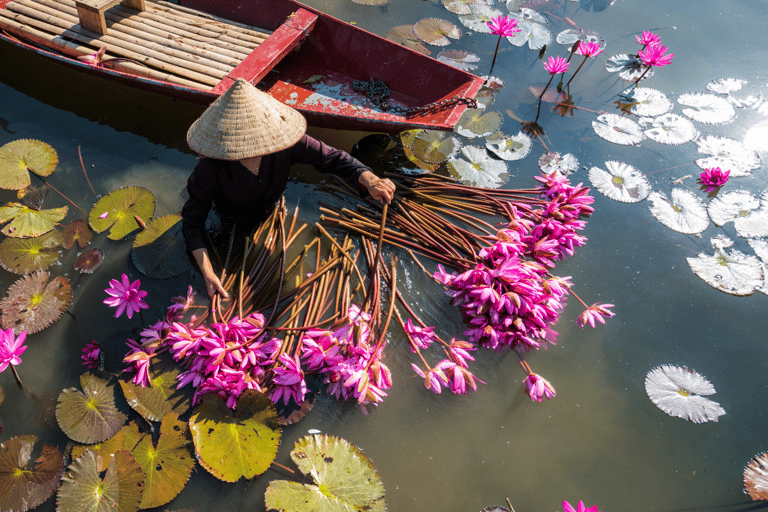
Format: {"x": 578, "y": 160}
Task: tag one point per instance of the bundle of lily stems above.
{"x": 308, "y": 310}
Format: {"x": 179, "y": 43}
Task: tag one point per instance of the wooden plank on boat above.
{"x": 91, "y": 12}
{"x": 223, "y": 23}
{"x": 270, "y": 52}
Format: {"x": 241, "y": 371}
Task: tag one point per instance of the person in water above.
{"x": 248, "y": 140}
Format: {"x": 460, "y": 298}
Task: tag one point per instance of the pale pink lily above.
{"x": 595, "y": 312}
{"x": 538, "y": 387}
{"x": 434, "y": 378}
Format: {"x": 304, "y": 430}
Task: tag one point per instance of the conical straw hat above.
{"x": 245, "y": 122}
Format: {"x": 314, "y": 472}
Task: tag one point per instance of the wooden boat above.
{"x": 196, "y": 49}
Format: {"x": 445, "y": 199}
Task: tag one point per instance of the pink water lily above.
{"x": 125, "y": 296}
{"x": 11, "y": 348}
{"x": 580, "y": 508}
{"x": 556, "y": 65}
{"x": 712, "y": 179}
{"x": 91, "y": 355}
{"x": 595, "y": 312}
{"x": 503, "y": 26}
{"x": 654, "y": 55}
{"x": 589, "y": 48}
{"x": 538, "y": 387}
{"x": 647, "y": 38}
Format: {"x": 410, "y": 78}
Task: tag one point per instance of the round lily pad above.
{"x": 103, "y": 451}
{"x": 669, "y": 129}
{"x": 646, "y": 101}
{"x": 27, "y": 222}
{"x": 116, "y": 211}
{"x": 460, "y": 59}
{"x": 404, "y": 35}
{"x": 509, "y": 148}
{"x": 748, "y": 213}
{"x": 88, "y": 261}
{"x": 460, "y": 6}
{"x": 533, "y": 29}
{"x": 479, "y": 169}
{"x": 434, "y": 146}
{"x": 552, "y": 161}
{"x": 26, "y": 255}
{"x": 735, "y": 272}
{"x": 234, "y": 444}
{"x": 684, "y": 212}
{"x": 629, "y": 67}
{"x": 345, "y": 479}
{"x": 77, "y": 231}
{"x": 159, "y": 250}
{"x": 89, "y": 416}
{"x": 32, "y": 303}
{"x": 727, "y": 154}
{"x": 168, "y": 465}
{"x": 621, "y": 182}
{"x": 25, "y": 488}
{"x": 475, "y": 122}
{"x": 33, "y": 196}
{"x": 436, "y": 32}
{"x": 479, "y": 16}
{"x": 678, "y": 391}
{"x": 707, "y": 108}
{"x": 120, "y": 490}
{"x": 618, "y": 129}
{"x": 756, "y": 477}
{"x": 161, "y": 396}
{"x": 571, "y": 35}
{"x": 19, "y": 157}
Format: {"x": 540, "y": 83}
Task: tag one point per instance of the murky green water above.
{"x": 601, "y": 439}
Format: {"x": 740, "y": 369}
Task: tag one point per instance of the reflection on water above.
{"x": 600, "y": 440}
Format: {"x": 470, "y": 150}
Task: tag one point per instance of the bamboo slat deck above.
{"x": 165, "y": 41}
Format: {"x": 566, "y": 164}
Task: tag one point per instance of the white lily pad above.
{"x": 669, "y": 129}
{"x": 707, "y": 108}
{"x": 646, "y": 101}
{"x": 460, "y": 6}
{"x": 565, "y": 164}
{"x": 479, "y": 169}
{"x": 435, "y": 147}
{"x": 677, "y": 391}
{"x": 571, "y": 35}
{"x": 621, "y": 182}
{"x": 735, "y": 272}
{"x": 617, "y": 129}
{"x": 727, "y": 154}
{"x": 684, "y": 212}
{"x": 748, "y": 214}
{"x": 533, "y": 29}
{"x": 477, "y": 122}
{"x": 761, "y": 249}
{"x": 509, "y": 148}
{"x": 729, "y": 86}
{"x": 479, "y": 17}
{"x": 629, "y": 68}
{"x": 756, "y": 478}
{"x": 460, "y": 59}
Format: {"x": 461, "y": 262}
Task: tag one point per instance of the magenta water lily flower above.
{"x": 654, "y": 55}
{"x": 125, "y": 296}
{"x": 712, "y": 179}
{"x": 11, "y": 348}
{"x": 91, "y": 355}
{"x": 556, "y": 65}
{"x": 503, "y": 26}
{"x": 595, "y": 312}
{"x": 648, "y": 38}
{"x": 421, "y": 337}
{"x": 580, "y": 508}
{"x": 589, "y": 48}
{"x": 538, "y": 387}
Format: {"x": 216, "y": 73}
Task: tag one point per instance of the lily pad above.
{"x": 620, "y": 182}
{"x": 485, "y": 97}
{"x": 509, "y": 148}
{"x": 677, "y": 391}
{"x": 684, "y": 212}
{"x": 434, "y": 147}
{"x": 571, "y": 35}
{"x": 345, "y": 479}
{"x": 405, "y": 36}
{"x": 168, "y": 465}
{"x": 102, "y": 451}
{"x": 83, "y": 490}
{"x": 479, "y": 17}
{"x": 116, "y": 211}
{"x": 629, "y": 67}
{"x": 756, "y": 477}
{"x": 161, "y": 396}
{"x": 460, "y": 59}
{"x": 19, "y": 157}
{"x": 618, "y": 129}
{"x": 159, "y": 250}
{"x": 727, "y": 154}
{"x": 32, "y": 303}
{"x": 436, "y": 32}
{"x": 77, "y": 231}
{"x": 749, "y": 216}
{"x": 533, "y": 29}
{"x": 89, "y": 416}
{"x": 33, "y": 197}
{"x": 234, "y": 444}
{"x": 25, "y": 488}
{"x": 26, "y": 222}
{"x": 88, "y": 261}
{"x": 707, "y": 108}
{"x": 669, "y": 129}
{"x": 479, "y": 169}
{"x": 555, "y": 162}
{"x": 646, "y": 101}
{"x": 728, "y": 86}
{"x": 735, "y": 272}
{"x": 372, "y": 2}
{"x": 476, "y": 122}
{"x": 460, "y": 6}
{"x": 26, "y": 255}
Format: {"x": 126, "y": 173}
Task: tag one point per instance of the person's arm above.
{"x": 382, "y": 190}
{"x": 212, "y": 282}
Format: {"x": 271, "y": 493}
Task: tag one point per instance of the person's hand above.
{"x": 383, "y": 190}
{"x": 212, "y": 283}
{"x": 213, "y": 286}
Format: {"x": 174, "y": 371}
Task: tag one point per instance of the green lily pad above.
{"x": 103, "y": 451}
{"x": 88, "y": 261}
{"x": 23, "y": 155}
{"x": 233, "y": 444}
{"x": 22, "y": 488}
{"x": 33, "y": 196}
{"x": 161, "y": 397}
{"x": 90, "y": 415}
{"x": 475, "y": 122}
{"x": 77, "y": 231}
{"x": 159, "y": 250}
{"x": 26, "y": 255}
{"x": 33, "y": 303}
{"x": 26, "y": 222}
{"x": 116, "y": 211}
{"x": 345, "y": 479}
{"x": 83, "y": 490}
{"x": 435, "y": 147}
{"x": 166, "y": 466}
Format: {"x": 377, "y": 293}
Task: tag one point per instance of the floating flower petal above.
{"x": 618, "y": 129}
{"x": 708, "y": 108}
{"x": 620, "y": 182}
{"x": 676, "y": 390}
{"x": 646, "y": 101}
{"x": 734, "y": 272}
{"x": 669, "y": 129}
{"x": 479, "y": 170}
{"x": 729, "y": 154}
{"x": 685, "y": 212}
